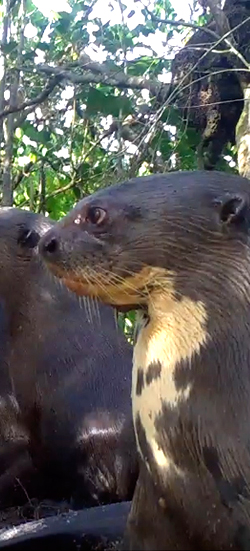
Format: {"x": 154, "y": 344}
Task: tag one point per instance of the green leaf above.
{"x": 44, "y": 46}
{"x": 29, "y": 56}
{"x": 77, "y": 193}
{"x": 42, "y": 136}
{"x": 62, "y": 26}
{"x": 97, "y": 102}
{"x": 9, "y": 47}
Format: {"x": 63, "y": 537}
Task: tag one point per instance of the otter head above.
{"x": 20, "y": 231}
{"x": 172, "y": 233}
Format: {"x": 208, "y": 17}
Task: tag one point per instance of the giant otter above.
{"x": 65, "y": 382}
{"x": 176, "y": 247}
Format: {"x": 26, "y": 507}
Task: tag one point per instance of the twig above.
{"x": 69, "y": 186}
{"x": 24, "y": 490}
{"x": 38, "y": 99}
{"x": 181, "y": 23}
{"x": 22, "y": 173}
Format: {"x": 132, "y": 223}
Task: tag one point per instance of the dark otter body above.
{"x": 65, "y": 380}
{"x": 177, "y": 246}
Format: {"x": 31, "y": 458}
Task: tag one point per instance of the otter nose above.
{"x": 49, "y": 246}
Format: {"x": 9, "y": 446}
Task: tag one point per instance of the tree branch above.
{"x": 181, "y": 23}
{"x": 21, "y": 118}
{"x": 34, "y": 101}
{"x": 220, "y": 18}
{"x": 99, "y": 75}
{"x": 62, "y": 189}
{"x": 103, "y": 76}
{"x": 25, "y": 172}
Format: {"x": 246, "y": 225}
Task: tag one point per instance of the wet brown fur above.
{"x": 64, "y": 407}
{"x": 177, "y": 247}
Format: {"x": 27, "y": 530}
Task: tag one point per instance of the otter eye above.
{"x": 28, "y": 238}
{"x": 96, "y": 216}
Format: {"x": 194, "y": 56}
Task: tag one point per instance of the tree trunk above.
{"x": 4, "y": 40}
{"x": 7, "y": 198}
{"x": 243, "y": 136}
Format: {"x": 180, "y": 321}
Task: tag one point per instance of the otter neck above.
{"x": 35, "y": 304}
{"x": 178, "y": 339}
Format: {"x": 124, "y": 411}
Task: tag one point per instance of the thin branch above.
{"x": 86, "y": 62}
{"x": 42, "y": 185}
{"x": 23, "y": 116}
{"x": 25, "y": 172}
{"x": 63, "y": 189}
{"x": 72, "y": 183}
{"x": 181, "y": 23}
{"x": 34, "y": 101}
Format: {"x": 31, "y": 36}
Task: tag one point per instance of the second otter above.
{"x": 176, "y": 247}
{"x": 65, "y": 379}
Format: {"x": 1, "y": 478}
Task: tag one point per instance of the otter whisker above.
{"x": 96, "y": 306}
{"x": 87, "y": 307}
{"x": 90, "y": 302}
{"x": 116, "y": 279}
{"x": 143, "y": 292}
{"x": 96, "y": 281}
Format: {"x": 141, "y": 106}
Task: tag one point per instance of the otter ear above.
{"x": 233, "y": 209}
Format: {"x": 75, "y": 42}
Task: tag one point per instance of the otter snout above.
{"x": 65, "y": 248}
{"x": 50, "y": 246}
